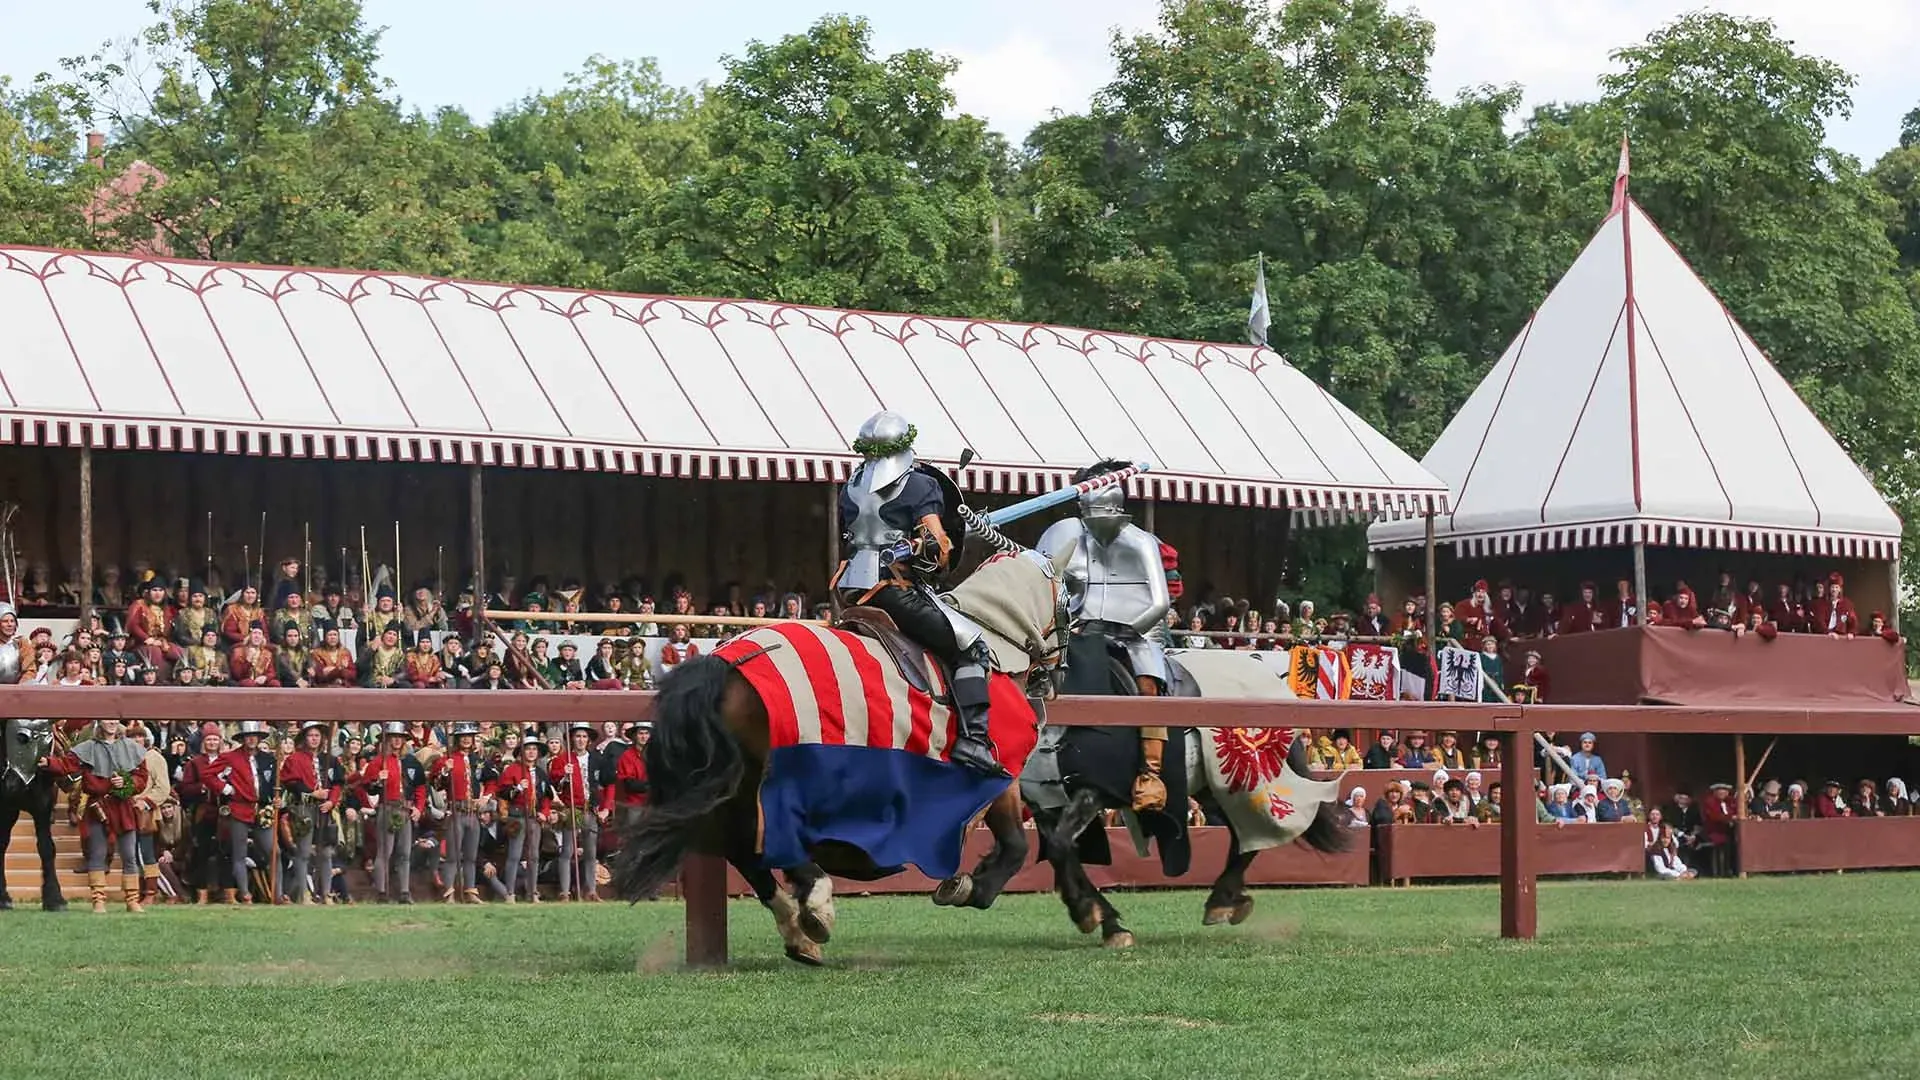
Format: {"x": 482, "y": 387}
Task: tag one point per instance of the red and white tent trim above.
{"x": 123, "y": 352}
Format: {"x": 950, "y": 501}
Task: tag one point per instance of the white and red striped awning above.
{"x": 1681, "y": 534}
{"x": 126, "y": 352}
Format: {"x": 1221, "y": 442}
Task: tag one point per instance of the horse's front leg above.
{"x": 1229, "y": 902}
{"x": 813, "y": 890}
{"x": 51, "y": 899}
{"x": 989, "y": 878}
{"x": 1086, "y": 904}
{"x": 785, "y": 909}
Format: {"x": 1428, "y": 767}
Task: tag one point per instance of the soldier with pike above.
{"x": 313, "y": 779}
{"x": 247, "y": 780}
{"x": 469, "y": 780}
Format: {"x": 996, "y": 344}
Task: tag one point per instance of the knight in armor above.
{"x": 900, "y": 534}
{"x": 1116, "y": 585}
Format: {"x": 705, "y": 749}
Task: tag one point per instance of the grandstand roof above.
{"x": 1633, "y": 407}
{"x": 151, "y": 353}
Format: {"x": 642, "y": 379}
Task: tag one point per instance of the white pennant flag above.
{"x": 1258, "y": 316}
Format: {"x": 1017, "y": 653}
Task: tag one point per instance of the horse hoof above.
{"x": 1121, "y": 940}
{"x": 955, "y": 891}
{"x": 1087, "y": 921}
{"x": 818, "y": 930}
{"x": 55, "y": 904}
{"x": 1216, "y": 916}
{"x": 6, "y": 902}
{"x": 807, "y": 953}
{"x": 1242, "y": 908}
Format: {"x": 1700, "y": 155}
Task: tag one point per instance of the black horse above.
{"x": 1092, "y": 772}
{"x": 24, "y": 786}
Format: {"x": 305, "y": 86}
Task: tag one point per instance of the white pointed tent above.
{"x": 1633, "y": 409}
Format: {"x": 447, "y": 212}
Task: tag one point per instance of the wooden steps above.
{"x": 23, "y": 860}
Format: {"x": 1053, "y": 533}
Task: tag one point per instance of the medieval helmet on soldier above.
{"x": 886, "y": 441}
{"x": 1103, "y": 509}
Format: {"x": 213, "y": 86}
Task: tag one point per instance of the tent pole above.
{"x": 86, "y": 535}
{"x": 833, "y": 529}
{"x": 1640, "y": 579}
{"x": 1433, "y": 613}
{"x": 1739, "y": 791}
{"x": 477, "y": 527}
{"x": 1150, "y": 527}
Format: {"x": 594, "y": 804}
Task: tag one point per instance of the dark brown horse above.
{"x": 708, "y": 764}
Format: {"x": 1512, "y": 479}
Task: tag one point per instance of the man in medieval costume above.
{"x": 110, "y": 770}
{"x": 312, "y": 779}
{"x": 584, "y": 806}
{"x": 395, "y": 781}
{"x": 1116, "y": 585}
{"x": 468, "y": 778}
{"x": 900, "y": 532}
{"x": 201, "y": 800}
{"x": 247, "y": 780}
{"x": 526, "y": 800}
{"x": 151, "y": 625}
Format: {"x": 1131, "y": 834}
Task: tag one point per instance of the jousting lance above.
{"x": 1066, "y": 494}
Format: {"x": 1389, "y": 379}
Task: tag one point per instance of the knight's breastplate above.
{"x": 870, "y": 533}
{"x": 27, "y": 742}
{"x": 1116, "y": 580}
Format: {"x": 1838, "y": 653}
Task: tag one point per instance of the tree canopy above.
{"x": 1406, "y": 235}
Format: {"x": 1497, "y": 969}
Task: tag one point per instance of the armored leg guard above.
{"x": 974, "y": 748}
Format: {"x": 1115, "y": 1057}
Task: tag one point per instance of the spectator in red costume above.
{"x": 1683, "y": 611}
{"x": 1833, "y": 614}
{"x": 1832, "y": 802}
{"x": 1716, "y": 827}
{"x": 1785, "y": 613}
{"x": 1373, "y": 621}
{"x": 1580, "y": 616}
{"x": 1476, "y": 613}
{"x": 1877, "y": 626}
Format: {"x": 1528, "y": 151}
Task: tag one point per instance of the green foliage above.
{"x": 43, "y": 182}
{"x": 832, "y": 177}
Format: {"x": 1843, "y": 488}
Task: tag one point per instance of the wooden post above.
{"x": 1639, "y": 580}
{"x": 1519, "y": 911}
{"x": 477, "y": 525}
{"x": 703, "y": 889}
{"x": 833, "y": 532}
{"x": 86, "y": 535}
{"x": 1149, "y": 516}
{"x": 1433, "y": 616}
{"x": 1739, "y": 794}
{"x": 1893, "y": 595}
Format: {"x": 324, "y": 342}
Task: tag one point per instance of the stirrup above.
{"x": 976, "y": 754}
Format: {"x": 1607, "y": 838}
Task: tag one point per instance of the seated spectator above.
{"x": 1650, "y": 836}
{"x": 1487, "y": 810}
{"x": 1486, "y": 754}
{"x": 1448, "y": 754}
{"x": 1797, "y": 805}
{"x": 1344, "y": 755}
{"x": 1682, "y": 611}
{"x": 1391, "y": 809}
{"x": 1614, "y": 805}
{"x": 1587, "y": 808}
{"x": 1357, "y": 813}
{"x": 1196, "y": 637}
{"x": 1586, "y": 761}
{"x": 1769, "y": 806}
{"x": 1832, "y": 802}
{"x": 1423, "y": 808}
{"x": 1878, "y": 628}
{"x": 1381, "y": 755}
{"x": 1560, "y": 804}
{"x": 1866, "y": 800}
{"x": 1475, "y": 794}
{"x": 1493, "y": 671}
{"x": 1664, "y": 859}
{"x": 1454, "y": 808}
{"x": 1895, "y": 803}
{"x": 1416, "y": 754}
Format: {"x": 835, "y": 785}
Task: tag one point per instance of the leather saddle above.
{"x": 917, "y": 666}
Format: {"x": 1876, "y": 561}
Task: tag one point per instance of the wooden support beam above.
{"x": 1519, "y": 907}
{"x": 86, "y": 536}
{"x": 703, "y": 891}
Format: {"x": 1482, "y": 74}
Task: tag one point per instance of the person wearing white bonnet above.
{"x": 1614, "y": 806}
{"x": 1896, "y": 798}
{"x": 1559, "y": 802}
{"x": 1357, "y": 809}
{"x": 1586, "y": 807}
{"x": 1476, "y": 794}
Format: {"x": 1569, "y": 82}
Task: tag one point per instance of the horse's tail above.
{"x": 1328, "y": 831}
{"x": 693, "y": 765}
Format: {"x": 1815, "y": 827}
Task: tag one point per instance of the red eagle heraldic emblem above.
{"x": 1252, "y": 757}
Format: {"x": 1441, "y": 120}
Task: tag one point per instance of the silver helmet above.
{"x": 1105, "y": 511}
{"x": 886, "y": 441}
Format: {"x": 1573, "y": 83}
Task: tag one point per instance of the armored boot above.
{"x": 974, "y": 748}
{"x": 130, "y": 888}
{"x": 97, "y": 889}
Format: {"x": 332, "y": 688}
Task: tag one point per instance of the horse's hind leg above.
{"x": 51, "y": 898}
{"x": 9, "y": 814}
{"x": 1085, "y": 905}
{"x": 813, "y": 890}
{"x": 984, "y": 885}
{"x": 1229, "y": 902}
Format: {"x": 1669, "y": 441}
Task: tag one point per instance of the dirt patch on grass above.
{"x": 1189, "y": 1022}
{"x": 660, "y": 955}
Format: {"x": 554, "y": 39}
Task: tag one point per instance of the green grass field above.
{"x": 1767, "y": 977}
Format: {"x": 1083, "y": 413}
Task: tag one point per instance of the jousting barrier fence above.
{"x": 703, "y": 880}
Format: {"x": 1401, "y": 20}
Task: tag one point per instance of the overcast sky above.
{"x": 1020, "y": 59}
